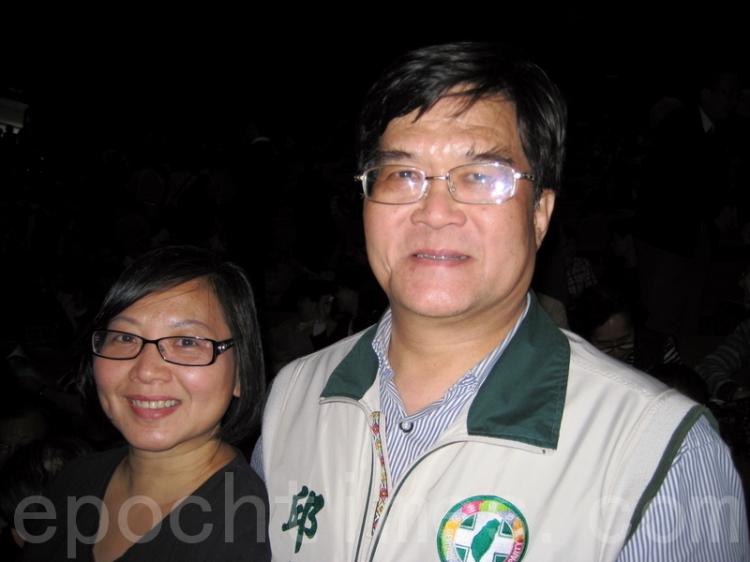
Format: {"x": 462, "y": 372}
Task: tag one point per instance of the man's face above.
{"x": 615, "y": 336}
{"x": 442, "y": 259}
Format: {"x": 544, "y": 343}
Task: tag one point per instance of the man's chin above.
{"x": 434, "y": 306}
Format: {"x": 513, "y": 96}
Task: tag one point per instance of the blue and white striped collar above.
{"x": 474, "y": 376}
{"x": 522, "y": 397}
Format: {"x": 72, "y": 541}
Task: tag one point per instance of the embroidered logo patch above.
{"x": 482, "y": 529}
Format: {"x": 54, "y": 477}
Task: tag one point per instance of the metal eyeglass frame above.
{"x": 447, "y": 178}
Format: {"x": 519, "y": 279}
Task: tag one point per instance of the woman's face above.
{"x": 159, "y": 406}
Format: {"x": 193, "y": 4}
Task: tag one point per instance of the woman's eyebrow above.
{"x": 188, "y": 322}
{"x": 182, "y": 323}
{"x": 126, "y": 319}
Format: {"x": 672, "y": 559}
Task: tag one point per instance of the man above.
{"x": 465, "y": 425}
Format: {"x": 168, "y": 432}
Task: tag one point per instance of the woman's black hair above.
{"x": 164, "y": 268}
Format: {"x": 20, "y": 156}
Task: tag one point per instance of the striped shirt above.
{"x": 721, "y": 366}
{"x": 698, "y": 513}
{"x": 407, "y": 437}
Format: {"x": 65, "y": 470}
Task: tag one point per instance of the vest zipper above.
{"x": 366, "y": 511}
{"x": 414, "y": 465}
{"x": 392, "y": 498}
{"x": 372, "y": 466}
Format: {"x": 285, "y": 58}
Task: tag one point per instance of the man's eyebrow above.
{"x": 381, "y": 156}
{"x": 496, "y": 154}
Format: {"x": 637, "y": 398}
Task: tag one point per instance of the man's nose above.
{"x": 437, "y": 207}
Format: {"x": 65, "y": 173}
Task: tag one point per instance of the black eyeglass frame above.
{"x": 218, "y": 347}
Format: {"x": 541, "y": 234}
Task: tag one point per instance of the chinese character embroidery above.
{"x": 302, "y": 516}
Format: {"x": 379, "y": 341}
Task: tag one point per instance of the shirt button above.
{"x": 406, "y": 426}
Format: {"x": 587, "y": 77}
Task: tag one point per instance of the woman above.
{"x": 177, "y": 363}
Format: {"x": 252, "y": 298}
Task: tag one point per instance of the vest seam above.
{"x": 665, "y": 464}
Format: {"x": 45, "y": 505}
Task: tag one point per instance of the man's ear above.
{"x": 542, "y": 214}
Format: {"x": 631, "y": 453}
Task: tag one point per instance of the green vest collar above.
{"x": 356, "y": 373}
{"x": 522, "y": 398}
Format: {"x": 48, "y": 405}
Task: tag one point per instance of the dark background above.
{"x": 208, "y": 73}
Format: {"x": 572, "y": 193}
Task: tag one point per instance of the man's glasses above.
{"x": 181, "y": 350}
{"x": 489, "y": 183}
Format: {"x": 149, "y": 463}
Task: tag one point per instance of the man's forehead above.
{"x": 487, "y": 129}
{"x": 495, "y": 153}
{"x": 455, "y": 106}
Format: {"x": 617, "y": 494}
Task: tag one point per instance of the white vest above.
{"x": 555, "y": 458}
